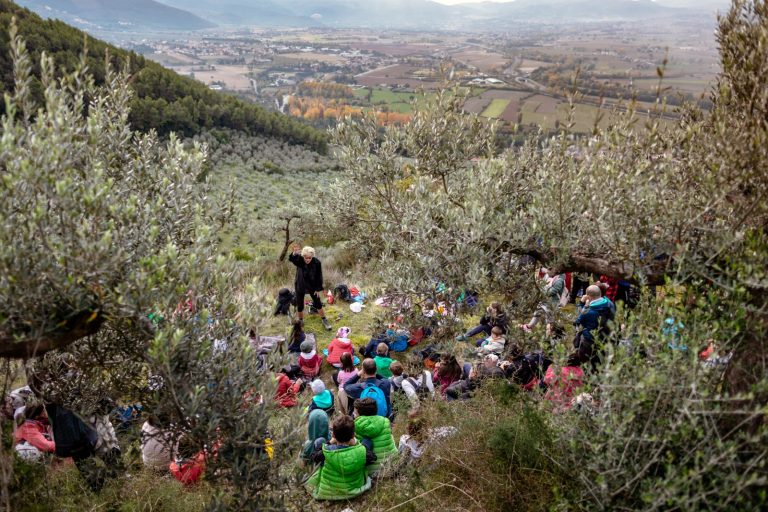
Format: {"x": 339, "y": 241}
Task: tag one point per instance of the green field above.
{"x": 396, "y": 101}
{"x": 583, "y": 118}
{"x": 496, "y": 108}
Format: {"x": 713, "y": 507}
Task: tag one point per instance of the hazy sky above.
{"x": 451, "y": 2}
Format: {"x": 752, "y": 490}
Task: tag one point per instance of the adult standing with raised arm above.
{"x": 309, "y": 280}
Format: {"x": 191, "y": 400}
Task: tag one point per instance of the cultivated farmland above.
{"x": 495, "y": 109}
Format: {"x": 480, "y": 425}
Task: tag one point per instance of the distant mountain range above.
{"x": 117, "y": 14}
{"x": 422, "y": 14}
{"x": 428, "y": 14}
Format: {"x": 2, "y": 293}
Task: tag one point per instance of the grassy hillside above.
{"x": 164, "y": 101}
{"x": 118, "y": 14}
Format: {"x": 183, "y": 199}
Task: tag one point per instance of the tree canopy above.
{"x": 163, "y": 101}
{"x": 639, "y": 200}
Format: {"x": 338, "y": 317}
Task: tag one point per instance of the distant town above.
{"x": 525, "y": 79}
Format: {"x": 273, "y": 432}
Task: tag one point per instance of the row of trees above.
{"x": 560, "y": 78}
{"x": 324, "y": 90}
{"x": 314, "y": 109}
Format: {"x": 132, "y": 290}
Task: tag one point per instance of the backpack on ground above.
{"x": 285, "y": 298}
{"x": 373, "y": 391}
{"x": 398, "y": 341}
{"x": 342, "y": 292}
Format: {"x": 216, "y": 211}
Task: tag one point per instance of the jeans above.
{"x": 478, "y": 329}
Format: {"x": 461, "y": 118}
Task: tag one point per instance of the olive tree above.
{"x": 655, "y": 202}
{"x": 110, "y": 282}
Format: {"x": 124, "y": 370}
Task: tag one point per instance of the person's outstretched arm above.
{"x": 295, "y": 256}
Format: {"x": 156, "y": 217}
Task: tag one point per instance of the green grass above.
{"x": 402, "y": 108}
{"x": 496, "y": 108}
{"x": 63, "y": 489}
{"x": 381, "y": 95}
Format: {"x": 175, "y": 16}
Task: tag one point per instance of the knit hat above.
{"x": 343, "y": 332}
{"x": 306, "y": 346}
{"x": 317, "y": 386}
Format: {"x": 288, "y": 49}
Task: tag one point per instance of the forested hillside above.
{"x": 163, "y": 100}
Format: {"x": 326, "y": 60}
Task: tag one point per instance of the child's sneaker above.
{"x": 461, "y": 337}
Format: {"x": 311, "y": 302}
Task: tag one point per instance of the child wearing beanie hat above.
{"x": 339, "y": 345}
{"x": 322, "y": 399}
{"x": 309, "y": 360}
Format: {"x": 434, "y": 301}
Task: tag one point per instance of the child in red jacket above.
{"x": 189, "y": 465}
{"x": 32, "y": 437}
{"x": 287, "y": 390}
{"x": 341, "y": 344}
{"x": 309, "y": 361}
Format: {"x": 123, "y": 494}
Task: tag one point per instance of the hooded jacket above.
{"x": 596, "y": 317}
{"x": 323, "y": 401}
{"x": 337, "y": 347}
{"x": 318, "y": 428}
{"x": 377, "y": 429}
{"x": 342, "y": 476}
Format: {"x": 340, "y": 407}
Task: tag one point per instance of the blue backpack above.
{"x": 397, "y": 340}
{"x": 373, "y": 391}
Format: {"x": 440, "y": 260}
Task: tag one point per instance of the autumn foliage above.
{"x": 319, "y": 108}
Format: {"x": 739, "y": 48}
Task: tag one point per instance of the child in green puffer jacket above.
{"x": 370, "y": 426}
{"x": 343, "y": 474}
